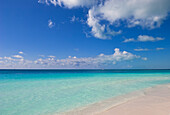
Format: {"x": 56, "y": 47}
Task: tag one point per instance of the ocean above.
{"x": 48, "y": 92}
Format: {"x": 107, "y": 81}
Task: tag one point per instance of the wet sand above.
{"x": 151, "y": 101}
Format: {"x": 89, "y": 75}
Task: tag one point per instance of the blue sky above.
{"x": 85, "y": 34}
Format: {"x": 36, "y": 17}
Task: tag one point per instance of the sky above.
{"x": 85, "y": 34}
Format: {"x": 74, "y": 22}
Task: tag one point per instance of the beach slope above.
{"x": 151, "y": 101}
{"x": 155, "y": 101}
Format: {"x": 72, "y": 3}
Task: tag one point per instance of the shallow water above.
{"x": 47, "y": 92}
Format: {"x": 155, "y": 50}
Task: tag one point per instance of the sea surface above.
{"x": 48, "y": 92}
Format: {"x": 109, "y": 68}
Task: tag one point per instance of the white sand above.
{"x": 156, "y": 101}
{"x": 151, "y": 101}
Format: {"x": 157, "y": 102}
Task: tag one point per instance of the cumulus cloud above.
{"x": 21, "y": 52}
{"x": 51, "y": 24}
{"x": 8, "y": 58}
{"x": 101, "y": 59}
{"x": 17, "y": 56}
{"x": 13, "y": 62}
{"x": 144, "y": 38}
{"x": 146, "y": 13}
{"x": 71, "y": 62}
{"x": 51, "y": 56}
{"x": 98, "y": 30}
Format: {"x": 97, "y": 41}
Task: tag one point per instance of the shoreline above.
{"x": 124, "y": 104}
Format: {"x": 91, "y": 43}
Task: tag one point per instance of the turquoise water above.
{"x": 48, "y": 92}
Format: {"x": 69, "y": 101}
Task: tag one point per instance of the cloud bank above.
{"x": 145, "y": 13}
{"x": 98, "y": 61}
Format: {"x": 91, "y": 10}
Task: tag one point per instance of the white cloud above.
{"x": 70, "y": 62}
{"x": 146, "y": 49}
{"x": 129, "y": 40}
{"x": 73, "y": 19}
{"x": 160, "y": 48}
{"x": 101, "y": 55}
{"x": 17, "y": 56}
{"x": 141, "y": 49}
{"x": 144, "y": 58}
{"x": 70, "y": 3}
{"x": 51, "y": 56}
{"x": 9, "y": 62}
{"x": 21, "y": 52}
{"x": 144, "y": 38}
{"x": 98, "y": 30}
{"x": 8, "y": 58}
{"x": 74, "y": 57}
{"x": 77, "y": 19}
{"x": 77, "y": 3}
{"x": 51, "y": 24}
{"x": 146, "y": 13}
{"x": 99, "y": 60}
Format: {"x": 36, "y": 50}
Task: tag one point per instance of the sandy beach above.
{"x": 151, "y": 101}
{"x": 156, "y": 101}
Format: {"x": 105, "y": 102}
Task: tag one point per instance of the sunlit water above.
{"x": 49, "y": 92}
